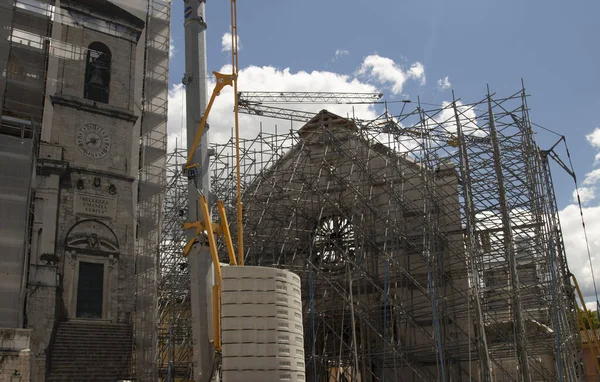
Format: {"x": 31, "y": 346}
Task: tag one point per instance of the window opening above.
{"x": 97, "y": 72}
{"x": 334, "y": 243}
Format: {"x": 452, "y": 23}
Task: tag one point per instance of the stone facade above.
{"x": 349, "y": 209}
{"x": 85, "y": 206}
{"x": 15, "y": 355}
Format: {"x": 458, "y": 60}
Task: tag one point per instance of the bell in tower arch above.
{"x": 96, "y": 78}
{"x": 97, "y": 73}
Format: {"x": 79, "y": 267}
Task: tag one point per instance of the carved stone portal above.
{"x": 92, "y": 236}
{"x": 92, "y": 250}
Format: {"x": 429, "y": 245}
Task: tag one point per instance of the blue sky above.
{"x": 552, "y": 45}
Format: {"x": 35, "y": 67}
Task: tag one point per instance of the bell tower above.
{"x": 86, "y": 204}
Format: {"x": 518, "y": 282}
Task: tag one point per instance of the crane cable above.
{"x": 587, "y": 244}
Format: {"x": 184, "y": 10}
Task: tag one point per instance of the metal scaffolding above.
{"x": 151, "y": 183}
{"x": 174, "y": 324}
{"x": 428, "y": 243}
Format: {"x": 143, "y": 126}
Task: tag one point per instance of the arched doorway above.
{"x": 92, "y": 250}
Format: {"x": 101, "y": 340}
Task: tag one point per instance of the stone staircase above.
{"x": 91, "y": 352}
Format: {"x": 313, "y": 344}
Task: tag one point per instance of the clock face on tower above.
{"x": 93, "y": 141}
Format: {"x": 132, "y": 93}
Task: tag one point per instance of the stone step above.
{"x": 93, "y": 335}
{"x": 95, "y": 353}
{"x": 115, "y": 367}
{"x": 95, "y": 332}
{"x": 91, "y": 351}
{"x": 92, "y": 341}
{"x": 83, "y": 377}
{"x": 78, "y": 364}
{"x": 60, "y": 361}
{"x": 93, "y": 348}
{"x": 95, "y": 325}
{"x": 111, "y": 336}
{"x": 119, "y": 370}
{"x": 91, "y": 372}
{"x": 83, "y": 358}
{"x": 104, "y": 338}
{"x": 92, "y": 323}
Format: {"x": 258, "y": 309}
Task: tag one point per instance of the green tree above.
{"x": 593, "y": 318}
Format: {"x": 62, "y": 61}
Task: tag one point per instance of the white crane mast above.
{"x": 199, "y": 180}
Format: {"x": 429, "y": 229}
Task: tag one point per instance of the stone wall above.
{"x": 123, "y": 53}
{"x": 41, "y": 314}
{"x": 123, "y": 281}
{"x": 15, "y": 359}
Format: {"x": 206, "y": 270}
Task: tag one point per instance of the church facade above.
{"x": 79, "y": 114}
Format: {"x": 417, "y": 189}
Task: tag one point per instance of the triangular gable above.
{"x": 316, "y": 132}
{"x": 329, "y": 121}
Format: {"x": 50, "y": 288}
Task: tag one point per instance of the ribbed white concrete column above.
{"x": 261, "y": 323}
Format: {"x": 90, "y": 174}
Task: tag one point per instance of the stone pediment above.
{"x": 326, "y": 121}
{"x": 92, "y": 236}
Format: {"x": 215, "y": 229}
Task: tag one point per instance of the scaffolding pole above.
{"x": 410, "y": 231}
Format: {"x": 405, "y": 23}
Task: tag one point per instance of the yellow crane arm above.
{"x": 222, "y": 81}
{"x": 235, "y": 69}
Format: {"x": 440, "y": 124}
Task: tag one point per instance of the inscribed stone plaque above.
{"x": 95, "y": 205}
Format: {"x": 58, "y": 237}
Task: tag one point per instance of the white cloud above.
{"x": 177, "y": 106}
{"x": 417, "y": 70}
{"x": 226, "y": 42}
{"x": 586, "y": 194}
{"x": 466, "y": 116}
{"x": 575, "y": 245}
{"x": 444, "y": 83}
{"x": 172, "y": 48}
{"x": 176, "y": 122}
{"x": 591, "y": 306}
{"x": 594, "y": 137}
{"x": 265, "y": 78}
{"x": 341, "y": 53}
{"x": 592, "y": 177}
{"x": 573, "y": 233}
{"x": 385, "y": 71}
